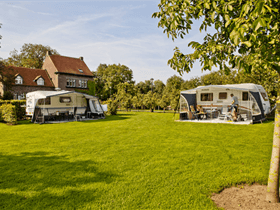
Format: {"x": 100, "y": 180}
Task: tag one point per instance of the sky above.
{"x": 102, "y": 31}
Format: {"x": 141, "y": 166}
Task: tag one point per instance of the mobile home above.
{"x": 43, "y": 106}
{"x": 253, "y": 101}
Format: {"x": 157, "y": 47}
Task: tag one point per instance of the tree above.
{"x": 173, "y": 87}
{"x": 7, "y": 75}
{"x": 163, "y": 102}
{"x": 144, "y": 87}
{"x": 150, "y": 100}
{"x": 110, "y": 76}
{"x": 30, "y": 56}
{"x": 137, "y": 101}
{"x": 192, "y": 83}
{"x": 124, "y": 95}
{"x": 246, "y": 37}
{"x": 158, "y": 87}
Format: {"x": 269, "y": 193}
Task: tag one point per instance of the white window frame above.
{"x": 18, "y": 80}
{"x": 40, "y": 81}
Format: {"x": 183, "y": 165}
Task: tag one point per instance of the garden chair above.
{"x": 194, "y": 114}
{"x": 224, "y": 115}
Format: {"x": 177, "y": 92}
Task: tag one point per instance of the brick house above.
{"x": 67, "y": 73}
{"x": 28, "y": 80}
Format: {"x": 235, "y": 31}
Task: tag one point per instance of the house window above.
{"x": 83, "y": 83}
{"x": 40, "y": 81}
{"x": 70, "y": 83}
{"x": 18, "y": 80}
{"x": 80, "y": 70}
{"x": 206, "y": 97}
{"x": 245, "y": 96}
{"x": 223, "y": 95}
{"x": 65, "y": 99}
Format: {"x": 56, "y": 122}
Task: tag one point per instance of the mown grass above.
{"x": 129, "y": 161}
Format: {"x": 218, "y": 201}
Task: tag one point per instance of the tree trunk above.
{"x": 272, "y": 194}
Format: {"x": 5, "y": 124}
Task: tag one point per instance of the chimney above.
{"x": 81, "y": 58}
{"x": 49, "y": 53}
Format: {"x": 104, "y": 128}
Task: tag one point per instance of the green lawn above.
{"x": 135, "y": 160}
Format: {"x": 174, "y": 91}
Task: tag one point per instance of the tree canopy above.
{"x": 112, "y": 75}
{"x": 30, "y": 56}
{"x": 246, "y": 37}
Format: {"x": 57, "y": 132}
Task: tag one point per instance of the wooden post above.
{"x": 272, "y": 195}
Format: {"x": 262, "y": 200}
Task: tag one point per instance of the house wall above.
{"x": 22, "y": 89}
{"x": 51, "y": 69}
{"x": 62, "y": 81}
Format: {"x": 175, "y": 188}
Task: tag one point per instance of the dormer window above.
{"x": 80, "y": 70}
{"x": 40, "y": 81}
{"x": 18, "y": 80}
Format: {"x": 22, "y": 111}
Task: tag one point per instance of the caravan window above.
{"x": 223, "y": 95}
{"x": 245, "y": 96}
{"x": 65, "y": 99}
{"x": 46, "y": 101}
{"x": 206, "y": 97}
{"x": 264, "y": 96}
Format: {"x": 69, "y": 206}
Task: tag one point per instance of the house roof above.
{"x": 70, "y": 65}
{"x": 30, "y": 75}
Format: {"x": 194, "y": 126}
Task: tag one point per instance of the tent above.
{"x": 62, "y": 105}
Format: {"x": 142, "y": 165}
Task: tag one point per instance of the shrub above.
{"x": 20, "y": 111}
{"x": 9, "y": 114}
{"x": 8, "y": 96}
{"x": 112, "y": 106}
{"x": 1, "y": 118}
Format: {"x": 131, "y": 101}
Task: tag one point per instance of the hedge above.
{"x": 20, "y": 111}
{"x": 8, "y": 112}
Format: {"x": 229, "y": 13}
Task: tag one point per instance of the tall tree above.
{"x": 173, "y": 87}
{"x": 112, "y": 76}
{"x": 158, "y": 87}
{"x": 7, "y": 76}
{"x": 246, "y": 37}
{"x": 150, "y": 100}
{"x": 145, "y": 86}
{"x": 30, "y": 56}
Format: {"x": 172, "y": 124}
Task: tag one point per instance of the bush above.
{"x": 8, "y": 96}
{"x": 1, "y": 118}
{"x": 112, "y": 106}
{"x": 9, "y": 114}
{"x": 20, "y": 111}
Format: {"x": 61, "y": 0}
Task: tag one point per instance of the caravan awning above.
{"x": 47, "y": 94}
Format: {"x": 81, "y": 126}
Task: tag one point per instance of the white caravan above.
{"x": 50, "y": 106}
{"x": 253, "y": 101}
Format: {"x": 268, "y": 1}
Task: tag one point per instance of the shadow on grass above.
{"x": 44, "y": 181}
{"x": 111, "y": 118}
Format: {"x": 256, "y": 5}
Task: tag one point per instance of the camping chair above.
{"x": 194, "y": 114}
{"x": 224, "y": 115}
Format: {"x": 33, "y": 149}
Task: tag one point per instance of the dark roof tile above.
{"x": 70, "y": 65}
{"x": 30, "y": 75}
